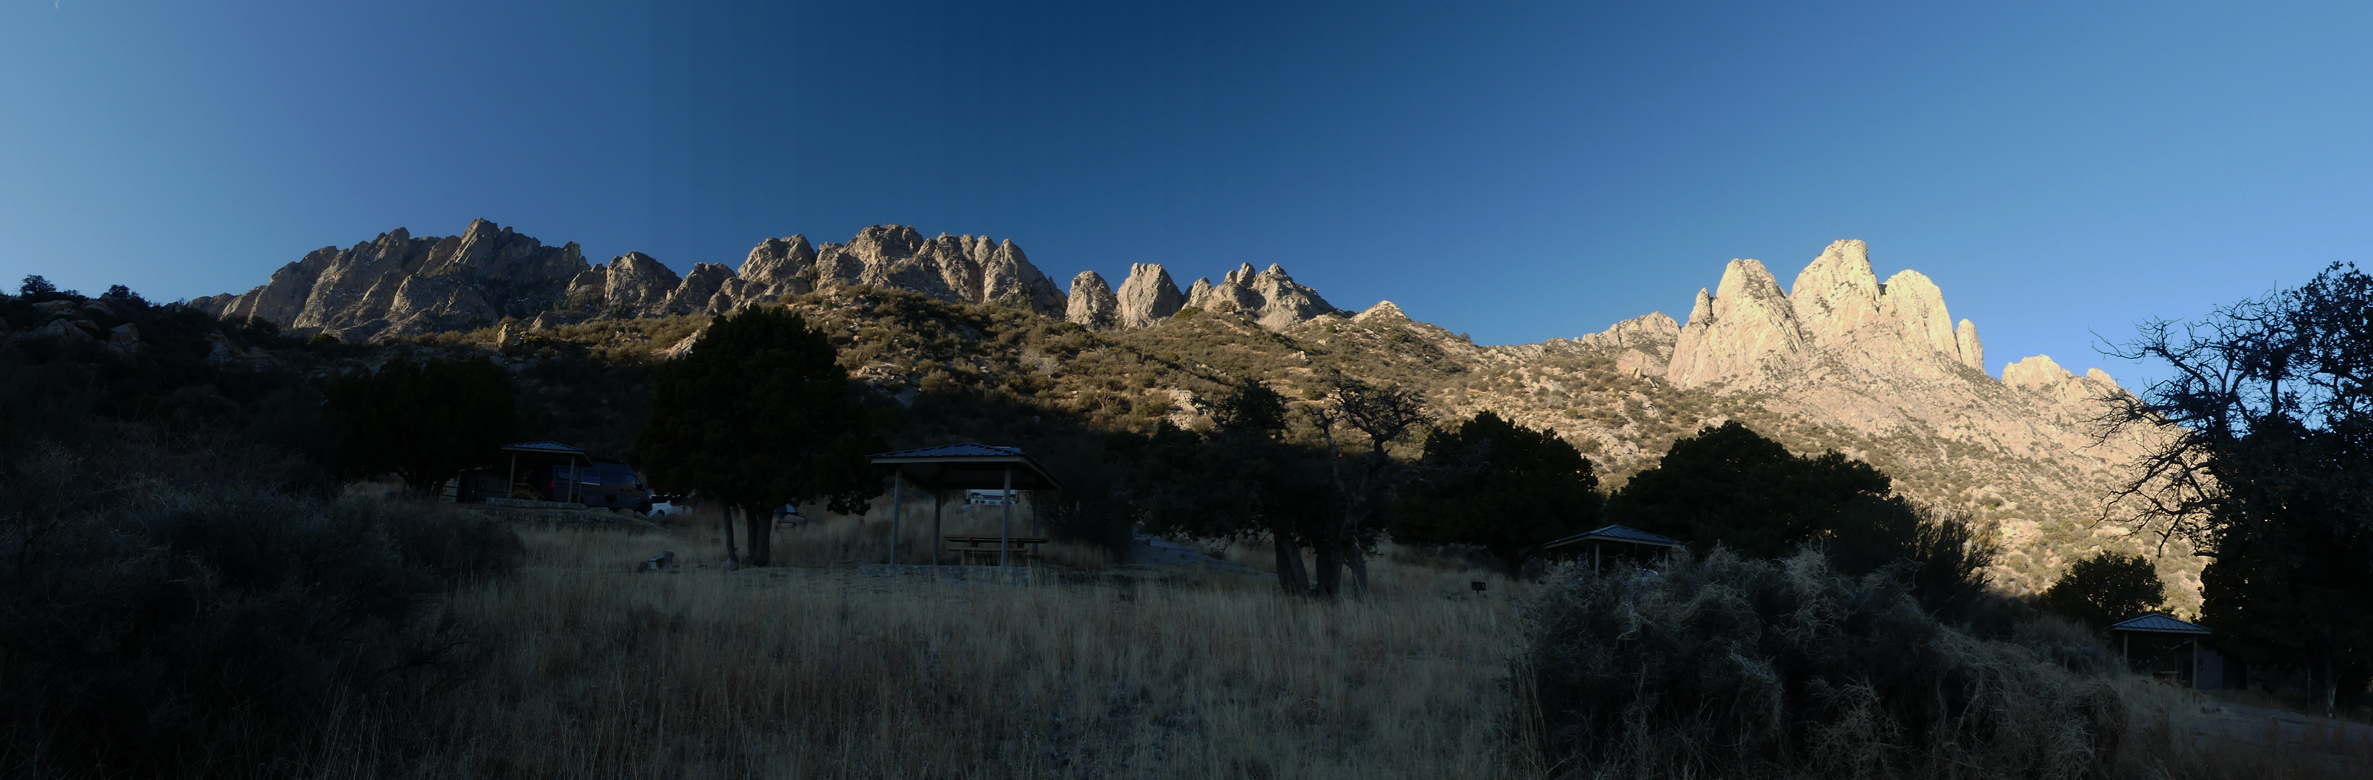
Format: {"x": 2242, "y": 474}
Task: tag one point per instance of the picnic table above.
{"x": 984, "y": 549}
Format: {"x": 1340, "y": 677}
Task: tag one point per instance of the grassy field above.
{"x": 605, "y": 672}
{"x": 795, "y": 672}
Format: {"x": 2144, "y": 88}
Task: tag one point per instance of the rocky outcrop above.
{"x": 964, "y": 269}
{"x": 630, "y": 285}
{"x": 1746, "y": 325}
{"x": 400, "y": 285}
{"x": 1092, "y": 303}
{"x": 2034, "y": 372}
{"x": 1148, "y": 296}
{"x": 1973, "y": 354}
{"x": 1652, "y": 331}
{"x": 1271, "y": 298}
{"x": 1643, "y": 344}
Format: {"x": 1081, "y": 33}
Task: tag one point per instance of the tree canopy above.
{"x": 759, "y": 415}
{"x": 1730, "y": 486}
{"x": 2105, "y": 588}
{"x": 1244, "y": 479}
{"x": 1500, "y": 486}
{"x": 2263, "y": 459}
{"x": 424, "y": 422}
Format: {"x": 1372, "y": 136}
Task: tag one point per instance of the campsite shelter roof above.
{"x": 1618, "y": 534}
{"x": 2157, "y": 623}
{"x": 543, "y": 447}
{"x": 968, "y": 467}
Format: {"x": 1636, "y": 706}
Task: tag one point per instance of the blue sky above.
{"x": 1514, "y": 171}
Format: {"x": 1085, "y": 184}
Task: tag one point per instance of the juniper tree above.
{"x": 757, "y": 415}
{"x": 1500, "y": 486}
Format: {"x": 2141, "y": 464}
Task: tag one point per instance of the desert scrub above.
{"x": 1721, "y": 667}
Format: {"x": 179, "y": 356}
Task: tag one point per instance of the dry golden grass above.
{"x": 603, "y": 672}
{"x": 2181, "y": 734}
{"x": 825, "y": 673}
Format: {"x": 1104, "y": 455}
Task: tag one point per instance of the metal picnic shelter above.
{"x": 962, "y": 467}
{"x": 1626, "y": 538}
{"x": 546, "y": 451}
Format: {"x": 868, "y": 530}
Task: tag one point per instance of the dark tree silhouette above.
{"x": 1500, "y": 486}
{"x": 2105, "y": 588}
{"x": 423, "y": 422}
{"x": 759, "y": 415}
{"x": 1372, "y": 419}
{"x": 2263, "y": 459}
{"x": 1242, "y": 480}
{"x": 1732, "y": 487}
{"x": 1729, "y": 485}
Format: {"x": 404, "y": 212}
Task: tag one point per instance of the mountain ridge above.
{"x": 1838, "y": 360}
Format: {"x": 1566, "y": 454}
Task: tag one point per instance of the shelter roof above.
{"x": 968, "y": 467}
{"x": 2157, "y": 623}
{"x": 546, "y": 447}
{"x": 1619, "y": 534}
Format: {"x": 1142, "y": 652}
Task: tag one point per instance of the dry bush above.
{"x": 792, "y": 673}
{"x": 161, "y": 626}
{"x": 1720, "y": 667}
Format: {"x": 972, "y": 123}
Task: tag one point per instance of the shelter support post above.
{"x": 897, "y": 494}
{"x": 938, "y": 501}
{"x": 514, "y": 475}
{"x": 1005, "y": 530}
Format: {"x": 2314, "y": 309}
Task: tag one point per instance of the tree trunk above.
{"x": 1357, "y": 560}
{"x": 761, "y": 523}
{"x": 731, "y": 556}
{"x": 1330, "y": 565}
{"x": 2321, "y": 688}
{"x": 1290, "y": 574}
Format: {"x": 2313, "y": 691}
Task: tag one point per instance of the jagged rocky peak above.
{"x": 399, "y": 285}
{"x": 1271, "y": 298}
{"x": 1973, "y": 354}
{"x": 1382, "y": 312}
{"x": 781, "y": 261}
{"x": 632, "y": 283}
{"x": 1092, "y": 302}
{"x": 1837, "y": 307}
{"x": 1837, "y": 294}
{"x": 957, "y": 269}
{"x": 1732, "y": 333}
{"x": 1148, "y": 296}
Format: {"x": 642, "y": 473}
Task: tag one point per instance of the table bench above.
{"x": 984, "y": 549}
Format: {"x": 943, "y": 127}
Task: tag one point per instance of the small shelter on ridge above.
{"x": 1621, "y": 541}
{"x": 2180, "y": 643}
{"x": 962, "y": 467}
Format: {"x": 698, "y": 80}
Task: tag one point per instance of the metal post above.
{"x": 513, "y": 479}
{"x": 1005, "y": 531}
{"x": 938, "y": 499}
{"x": 897, "y": 494}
